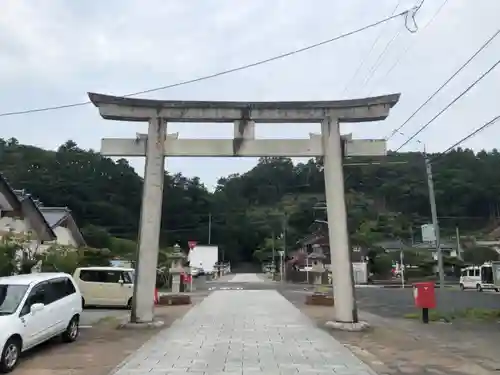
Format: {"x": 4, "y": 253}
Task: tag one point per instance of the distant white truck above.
{"x": 204, "y": 257}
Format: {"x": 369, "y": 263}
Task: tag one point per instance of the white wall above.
{"x": 64, "y": 236}
{"x": 17, "y": 225}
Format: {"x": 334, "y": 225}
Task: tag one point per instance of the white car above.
{"x": 195, "y": 271}
{"x": 105, "y": 286}
{"x": 35, "y": 308}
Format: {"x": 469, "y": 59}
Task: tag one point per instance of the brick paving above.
{"x": 244, "y": 332}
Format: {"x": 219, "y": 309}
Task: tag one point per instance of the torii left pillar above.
{"x": 149, "y": 225}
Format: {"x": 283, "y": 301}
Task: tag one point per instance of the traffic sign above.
{"x": 192, "y": 244}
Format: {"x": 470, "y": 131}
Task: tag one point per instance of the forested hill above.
{"x": 247, "y": 209}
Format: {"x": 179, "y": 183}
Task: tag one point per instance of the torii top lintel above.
{"x": 352, "y": 110}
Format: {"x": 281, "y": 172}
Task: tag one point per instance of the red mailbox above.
{"x": 424, "y": 294}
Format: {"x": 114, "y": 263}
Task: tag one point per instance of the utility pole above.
{"x": 459, "y": 247}
{"x": 209, "y": 228}
{"x": 273, "y": 263}
{"x": 435, "y": 223}
{"x": 285, "y": 224}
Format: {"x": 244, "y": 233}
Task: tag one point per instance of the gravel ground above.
{"x": 99, "y": 349}
{"x": 398, "y": 346}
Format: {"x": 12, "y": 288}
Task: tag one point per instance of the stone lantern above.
{"x": 177, "y": 268}
{"x": 316, "y": 262}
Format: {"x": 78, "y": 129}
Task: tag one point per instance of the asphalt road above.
{"x": 387, "y": 302}
{"x": 397, "y": 302}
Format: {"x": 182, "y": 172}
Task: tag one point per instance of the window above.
{"x": 10, "y": 297}
{"x": 101, "y": 276}
{"x": 476, "y": 272}
{"x": 464, "y": 272}
{"x": 89, "y": 276}
{"x": 112, "y": 276}
{"x": 128, "y": 277}
{"x": 37, "y": 295}
{"x": 61, "y": 288}
{"x": 471, "y": 273}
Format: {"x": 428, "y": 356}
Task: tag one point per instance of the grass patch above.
{"x": 322, "y": 289}
{"x": 467, "y": 314}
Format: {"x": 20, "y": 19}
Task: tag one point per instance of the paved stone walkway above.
{"x": 243, "y": 332}
{"x": 246, "y": 278}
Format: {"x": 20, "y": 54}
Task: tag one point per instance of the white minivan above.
{"x": 105, "y": 286}
{"x": 35, "y": 308}
{"x": 478, "y": 277}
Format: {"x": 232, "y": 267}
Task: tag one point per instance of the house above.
{"x": 63, "y": 224}
{"x": 19, "y": 213}
{"x": 448, "y": 249}
{"x": 318, "y": 242}
{"x": 396, "y": 245}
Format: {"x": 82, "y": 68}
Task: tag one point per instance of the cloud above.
{"x": 54, "y": 51}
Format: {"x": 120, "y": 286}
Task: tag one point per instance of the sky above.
{"x": 55, "y": 51}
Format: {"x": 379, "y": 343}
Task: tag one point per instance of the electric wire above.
{"x": 362, "y": 64}
{"x": 379, "y": 60}
{"x": 463, "y": 66}
{"x": 467, "y": 137}
{"x": 408, "y": 47}
{"x": 221, "y": 73}
{"x": 412, "y": 14}
{"x": 423, "y": 127}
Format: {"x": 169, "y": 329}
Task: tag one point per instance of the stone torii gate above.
{"x": 157, "y": 145}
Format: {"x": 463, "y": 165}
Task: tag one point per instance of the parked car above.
{"x": 105, "y": 286}
{"x": 195, "y": 271}
{"x": 33, "y": 309}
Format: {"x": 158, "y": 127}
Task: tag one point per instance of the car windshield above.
{"x": 10, "y": 297}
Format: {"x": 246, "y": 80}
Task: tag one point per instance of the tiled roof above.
{"x": 54, "y": 215}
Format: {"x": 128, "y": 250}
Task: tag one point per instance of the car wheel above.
{"x": 479, "y": 288}
{"x": 10, "y": 355}
{"x": 462, "y": 287}
{"x": 497, "y": 290}
{"x": 72, "y": 331}
{"x": 129, "y": 303}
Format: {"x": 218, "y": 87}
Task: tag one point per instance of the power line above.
{"x": 467, "y": 137}
{"x": 221, "y": 73}
{"x": 368, "y": 54}
{"x": 423, "y": 127}
{"x": 380, "y": 59}
{"x": 410, "y": 46}
{"x": 444, "y": 84}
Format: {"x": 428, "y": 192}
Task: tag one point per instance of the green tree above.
{"x": 245, "y": 210}
{"x": 480, "y": 255}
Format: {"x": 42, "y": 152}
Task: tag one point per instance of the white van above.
{"x": 105, "y": 286}
{"x": 35, "y": 308}
{"x": 477, "y": 277}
